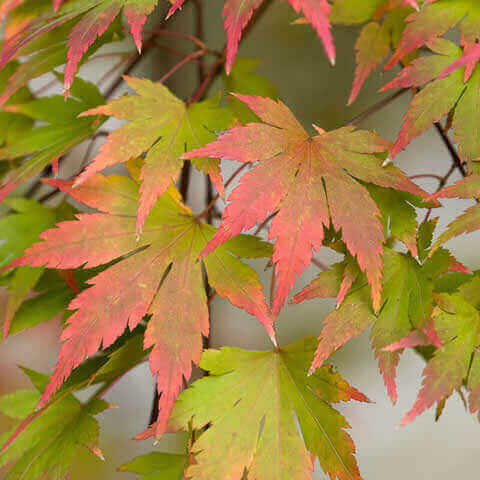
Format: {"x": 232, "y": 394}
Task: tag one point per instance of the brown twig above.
{"x": 376, "y": 107}
{"x": 208, "y": 79}
{"x": 217, "y": 196}
{"x": 451, "y": 149}
{"x": 181, "y": 63}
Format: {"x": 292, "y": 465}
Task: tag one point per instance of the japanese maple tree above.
{"x": 117, "y": 249}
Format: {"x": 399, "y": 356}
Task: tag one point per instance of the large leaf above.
{"x": 158, "y": 276}
{"x": 252, "y": 402}
{"x": 311, "y": 182}
{"x": 165, "y": 127}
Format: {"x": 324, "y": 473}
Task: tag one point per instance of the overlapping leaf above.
{"x": 13, "y": 125}
{"x": 244, "y": 79}
{"x": 165, "y": 127}
{"x": 44, "y": 54}
{"x": 407, "y": 306}
{"x": 439, "y": 97}
{"x": 95, "y": 16}
{"x": 469, "y": 221}
{"x": 458, "y": 325}
{"x": 252, "y": 402}
{"x": 376, "y": 40}
{"x": 158, "y": 276}
{"x": 48, "y": 142}
{"x": 311, "y": 182}
{"x": 435, "y": 19}
{"x": 237, "y": 13}
{"x": 50, "y": 442}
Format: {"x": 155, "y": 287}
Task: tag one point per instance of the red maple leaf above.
{"x": 96, "y": 16}
{"x": 310, "y": 182}
{"x": 158, "y": 277}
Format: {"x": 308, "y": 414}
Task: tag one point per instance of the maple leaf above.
{"x": 244, "y": 79}
{"x": 64, "y": 427}
{"x": 434, "y": 20}
{"x": 167, "y": 282}
{"x": 438, "y": 98}
{"x": 376, "y": 39}
{"x": 95, "y": 18}
{"x": 458, "y": 325}
{"x": 311, "y": 182}
{"x": 45, "y": 144}
{"x": 18, "y": 231}
{"x": 407, "y": 304}
{"x": 164, "y": 126}
{"x": 254, "y": 427}
{"x": 469, "y": 221}
{"x": 48, "y": 52}
{"x": 237, "y": 13}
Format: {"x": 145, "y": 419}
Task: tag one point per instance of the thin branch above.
{"x": 200, "y": 34}
{"x": 264, "y": 223}
{"x": 451, "y": 149}
{"x": 273, "y": 283}
{"x": 132, "y": 64}
{"x": 377, "y": 107}
{"x": 215, "y": 69}
{"x": 191, "y": 38}
{"x": 426, "y": 175}
{"x": 181, "y": 63}
{"x": 441, "y": 183}
{"x": 217, "y": 196}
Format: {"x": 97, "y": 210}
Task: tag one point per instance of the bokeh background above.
{"x": 292, "y": 58}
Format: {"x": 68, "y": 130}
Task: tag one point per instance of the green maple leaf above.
{"x": 165, "y": 127}
{"x": 468, "y": 221}
{"x": 251, "y": 402}
{"x": 458, "y": 325}
{"x": 13, "y": 125}
{"x": 62, "y": 130}
{"x": 435, "y": 19}
{"x": 49, "y": 443}
{"x": 439, "y": 96}
{"x": 407, "y": 303}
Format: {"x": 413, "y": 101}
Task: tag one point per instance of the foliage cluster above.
{"x": 131, "y": 269}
